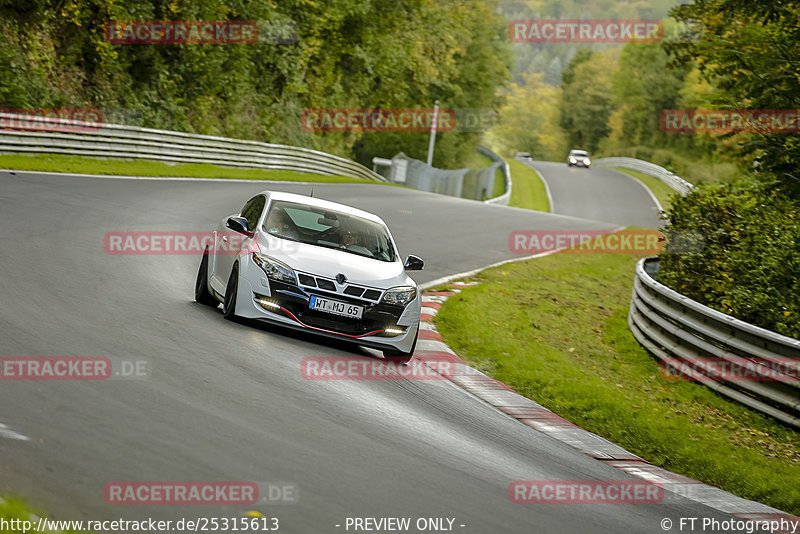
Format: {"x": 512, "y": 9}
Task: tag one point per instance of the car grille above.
{"x": 354, "y": 291}
{"x": 372, "y": 294}
{"x": 307, "y": 280}
{"x": 294, "y": 299}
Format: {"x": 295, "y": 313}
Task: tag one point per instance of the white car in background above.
{"x": 579, "y": 158}
{"x": 315, "y": 266}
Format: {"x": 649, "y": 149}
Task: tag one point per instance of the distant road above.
{"x": 598, "y": 194}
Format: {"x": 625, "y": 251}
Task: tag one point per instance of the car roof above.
{"x": 321, "y": 203}
{"x": 578, "y": 150}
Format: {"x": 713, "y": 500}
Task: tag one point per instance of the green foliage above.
{"x": 749, "y": 49}
{"x": 587, "y": 100}
{"x": 643, "y": 85}
{"x": 748, "y": 257}
{"x": 529, "y": 120}
{"x": 692, "y": 169}
{"x": 550, "y": 60}
{"x": 348, "y": 54}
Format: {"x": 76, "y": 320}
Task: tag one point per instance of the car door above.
{"x": 227, "y": 242}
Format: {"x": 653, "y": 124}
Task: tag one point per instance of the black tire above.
{"x": 392, "y": 353}
{"x": 201, "y": 292}
{"x": 229, "y": 304}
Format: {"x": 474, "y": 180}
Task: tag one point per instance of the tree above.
{"x": 528, "y": 120}
{"x": 644, "y": 86}
{"x": 587, "y": 99}
{"x": 750, "y": 50}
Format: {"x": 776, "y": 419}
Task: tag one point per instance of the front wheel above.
{"x": 229, "y": 304}
{"x": 201, "y": 292}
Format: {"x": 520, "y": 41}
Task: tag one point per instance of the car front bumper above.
{"x": 285, "y": 304}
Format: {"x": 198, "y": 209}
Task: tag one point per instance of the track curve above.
{"x": 226, "y": 401}
{"x": 598, "y": 194}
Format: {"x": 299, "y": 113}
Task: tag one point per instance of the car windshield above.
{"x": 579, "y": 153}
{"x": 330, "y": 229}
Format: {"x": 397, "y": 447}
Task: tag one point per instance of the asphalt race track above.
{"x": 226, "y": 401}
{"x": 598, "y": 193}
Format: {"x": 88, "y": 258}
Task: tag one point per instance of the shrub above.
{"x": 748, "y": 258}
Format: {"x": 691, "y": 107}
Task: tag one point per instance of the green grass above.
{"x": 555, "y": 330}
{"x": 469, "y": 188}
{"x": 476, "y": 160}
{"x": 85, "y": 165}
{"x": 527, "y": 188}
{"x": 499, "y": 183}
{"x": 11, "y": 509}
{"x": 662, "y": 191}
{"x": 691, "y": 169}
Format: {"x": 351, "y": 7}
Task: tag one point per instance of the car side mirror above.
{"x": 239, "y": 224}
{"x": 413, "y": 263}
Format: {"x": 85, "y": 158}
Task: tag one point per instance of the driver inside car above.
{"x": 347, "y": 239}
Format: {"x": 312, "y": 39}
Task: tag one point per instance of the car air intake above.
{"x": 354, "y": 291}
{"x": 307, "y": 280}
{"x": 371, "y": 294}
{"x": 326, "y": 284}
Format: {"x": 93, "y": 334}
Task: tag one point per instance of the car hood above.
{"x": 328, "y": 263}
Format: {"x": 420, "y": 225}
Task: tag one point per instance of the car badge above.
{"x": 341, "y": 278}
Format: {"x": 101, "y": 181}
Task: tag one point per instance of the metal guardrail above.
{"x": 651, "y": 169}
{"x": 475, "y": 184}
{"x": 674, "y": 327}
{"x": 505, "y": 198}
{"x": 62, "y": 136}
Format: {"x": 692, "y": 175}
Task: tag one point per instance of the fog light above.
{"x": 393, "y": 331}
{"x": 266, "y": 303}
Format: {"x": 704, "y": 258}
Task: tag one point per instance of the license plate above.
{"x": 335, "y": 307}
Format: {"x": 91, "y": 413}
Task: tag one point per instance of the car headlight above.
{"x": 587, "y": 161}
{"x": 573, "y": 160}
{"x": 277, "y": 270}
{"x": 400, "y": 296}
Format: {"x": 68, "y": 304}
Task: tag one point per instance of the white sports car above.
{"x": 316, "y": 266}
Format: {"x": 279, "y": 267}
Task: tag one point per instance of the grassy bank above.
{"x": 694, "y": 170}
{"x": 527, "y": 188}
{"x": 499, "y": 183}
{"x": 662, "y": 191}
{"x": 84, "y": 165}
{"x": 477, "y": 162}
{"x": 555, "y": 330}
{"x": 17, "y": 510}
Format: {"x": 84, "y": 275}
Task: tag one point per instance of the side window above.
{"x": 252, "y": 211}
